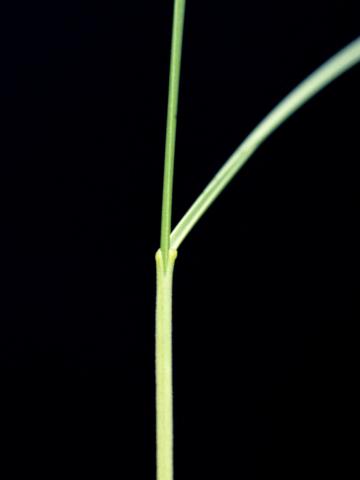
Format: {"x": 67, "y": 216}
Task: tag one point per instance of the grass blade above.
{"x": 175, "y": 63}
{"x": 314, "y": 83}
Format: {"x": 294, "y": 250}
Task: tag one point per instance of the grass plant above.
{"x": 171, "y": 240}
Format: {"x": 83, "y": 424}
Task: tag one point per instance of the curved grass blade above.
{"x": 314, "y": 83}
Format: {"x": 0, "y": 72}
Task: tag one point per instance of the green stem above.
{"x": 163, "y": 367}
{"x": 175, "y": 63}
{"x": 165, "y": 259}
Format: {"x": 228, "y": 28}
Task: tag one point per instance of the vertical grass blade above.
{"x": 175, "y": 63}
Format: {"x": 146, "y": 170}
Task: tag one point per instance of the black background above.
{"x": 264, "y": 285}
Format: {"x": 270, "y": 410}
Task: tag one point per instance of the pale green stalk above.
{"x": 329, "y": 71}
{"x": 165, "y": 259}
{"x": 163, "y": 362}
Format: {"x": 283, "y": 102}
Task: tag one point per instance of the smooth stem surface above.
{"x": 165, "y": 259}
{"x": 163, "y": 361}
{"x": 175, "y": 63}
{"x": 325, "y": 74}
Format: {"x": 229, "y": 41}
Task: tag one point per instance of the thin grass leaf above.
{"x": 175, "y": 64}
{"x": 314, "y": 83}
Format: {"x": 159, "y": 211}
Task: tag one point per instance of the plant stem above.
{"x": 314, "y": 83}
{"x": 163, "y": 361}
{"x": 175, "y": 63}
{"x": 165, "y": 259}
